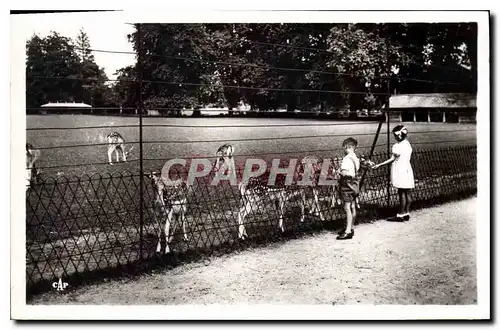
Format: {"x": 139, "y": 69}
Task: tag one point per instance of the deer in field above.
{"x": 169, "y": 204}
{"x": 116, "y": 144}
{"x": 32, "y": 172}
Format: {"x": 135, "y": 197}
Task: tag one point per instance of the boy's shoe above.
{"x": 406, "y": 217}
{"x": 396, "y": 219}
{"x": 345, "y": 235}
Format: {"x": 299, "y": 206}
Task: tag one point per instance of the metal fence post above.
{"x": 372, "y": 149}
{"x": 388, "y": 155}
{"x": 141, "y": 169}
{"x": 388, "y": 112}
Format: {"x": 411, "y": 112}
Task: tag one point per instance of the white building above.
{"x": 65, "y": 108}
{"x": 436, "y": 107}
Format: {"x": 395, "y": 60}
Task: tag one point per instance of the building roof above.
{"x": 435, "y": 100}
{"x": 66, "y": 105}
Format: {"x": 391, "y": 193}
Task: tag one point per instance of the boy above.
{"x": 349, "y": 185}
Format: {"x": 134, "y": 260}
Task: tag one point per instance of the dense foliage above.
{"x": 312, "y": 67}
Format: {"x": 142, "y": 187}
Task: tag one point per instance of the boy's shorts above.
{"x": 348, "y": 188}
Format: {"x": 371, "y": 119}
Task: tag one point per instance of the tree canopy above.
{"x": 311, "y": 67}
{"x": 59, "y": 69}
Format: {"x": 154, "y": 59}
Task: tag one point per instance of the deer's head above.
{"x": 223, "y": 156}
{"x": 127, "y": 152}
{"x": 31, "y": 155}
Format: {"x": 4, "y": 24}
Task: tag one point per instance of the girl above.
{"x": 401, "y": 171}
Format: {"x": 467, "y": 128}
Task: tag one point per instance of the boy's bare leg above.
{"x": 353, "y": 211}
{"x": 348, "y": 212}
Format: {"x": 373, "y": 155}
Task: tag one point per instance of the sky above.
{"x": 105, "y": 31}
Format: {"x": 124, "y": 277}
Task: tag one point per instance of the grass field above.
{"x": 86, "y": 217}
{"x": 185, "y": 141}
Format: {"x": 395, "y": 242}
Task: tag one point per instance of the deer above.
{"x": 116, "y": 144}
{"x": 170, "y": 203}
{"x": 32, "y": 172}
{"x": 171, "y": 200}
{"x": 255, "y": 190}
{"x": 312, "y": 177}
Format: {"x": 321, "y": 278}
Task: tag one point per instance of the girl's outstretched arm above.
{"x": 390, "y": 160}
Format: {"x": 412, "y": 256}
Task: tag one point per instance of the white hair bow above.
{"x": 403, "y": 130}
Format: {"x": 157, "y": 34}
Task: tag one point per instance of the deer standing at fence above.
{"x": 170, "y": 204}
{"x": 116, "y": 144}
{"x": 255, "y": 190}
{"x": 312, "y": 176}
{"x": 32, "y": 172}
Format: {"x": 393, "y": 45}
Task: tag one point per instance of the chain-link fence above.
{"x": 82, "y": 225}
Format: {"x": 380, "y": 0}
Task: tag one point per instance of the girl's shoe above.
{"x": 345, "y": 235}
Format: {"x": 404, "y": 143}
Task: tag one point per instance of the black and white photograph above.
{"x": 257, "y": 165}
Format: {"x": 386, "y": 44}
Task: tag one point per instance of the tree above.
{"x": 438, "y": 56}
{"x": 57, "y": 70}
{"x": 83, "y": 47}
{"x": 301, "y": 66}
{"x": 50, "y": 60}
{"x": 94, "y": 78}
{"x": 35, "y": 86}
{"x": 175, "y": 74}
{"x": 124, "y": 91}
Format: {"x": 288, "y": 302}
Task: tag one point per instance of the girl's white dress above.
{"x": 401, "y": 170}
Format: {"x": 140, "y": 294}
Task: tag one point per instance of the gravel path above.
{"x": 429, "y": 260}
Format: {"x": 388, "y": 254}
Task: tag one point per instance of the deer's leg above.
{"x": 183, "y": 220}
{"x": 173, "y": 222}
{"x": 303, "y": 202}
{"x": 110, "y": 154}
{"x": 281, "y": 206}
{"x": 155, "y": 214}
{"x": 38, "y": 174}
{"x": 317, "y": 206}
{"x": 333, "y": 197}
{"x": 243, "y": 212}
{"x": 167, "y": 229}
{"x": 28, "y": 180}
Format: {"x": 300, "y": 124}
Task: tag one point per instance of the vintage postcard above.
{"x": 250, "y": 165}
